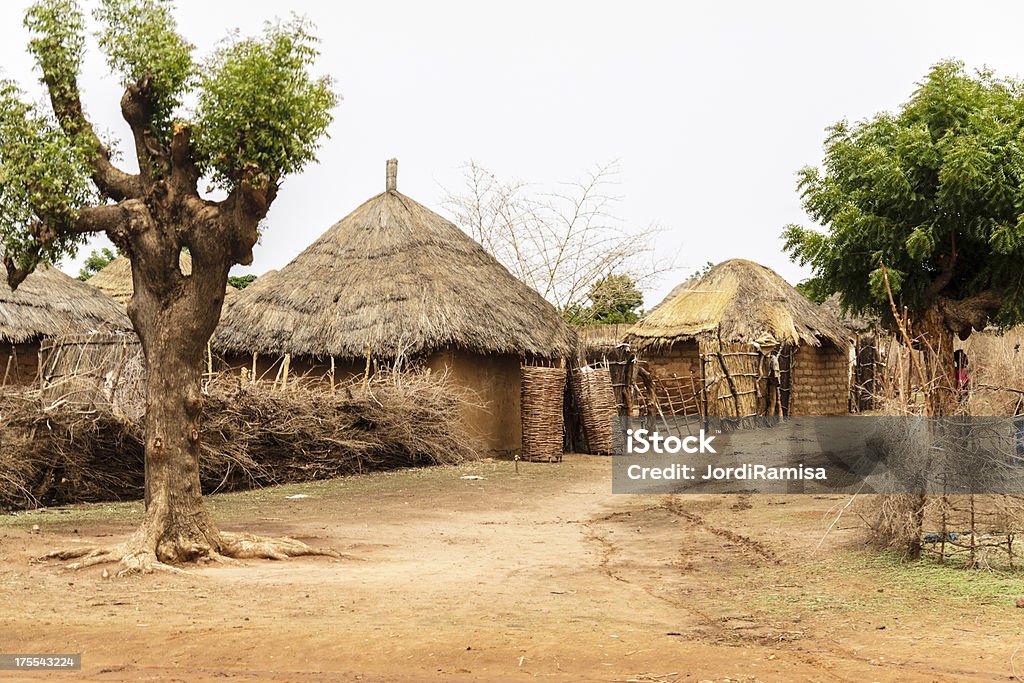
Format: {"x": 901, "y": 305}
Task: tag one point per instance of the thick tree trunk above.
{"x": 941, "y": 392}
{"x": 178, "y": 526}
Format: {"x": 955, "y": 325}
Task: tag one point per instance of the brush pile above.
{"x": 59, "y": 452}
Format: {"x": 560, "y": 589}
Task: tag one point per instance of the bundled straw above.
{"x": 592, "y": 388}
{"x": 59, "y": 452}
{"x": 542, "y": 398}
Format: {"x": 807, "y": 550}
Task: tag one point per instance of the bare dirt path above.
{"x": 542, "y": 574}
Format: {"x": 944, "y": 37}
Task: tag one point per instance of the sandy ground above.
{"x": 538, "y": 574}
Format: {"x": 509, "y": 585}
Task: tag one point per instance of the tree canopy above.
{"x": 613, "y": 299}
{"x": 260, "y": 115}
{"x": 927, "y": 202}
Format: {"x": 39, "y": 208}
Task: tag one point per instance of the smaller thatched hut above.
{"x": 115, "y": 279}
{"x": 48, "y": 304}
{"x": 741, "y": 342}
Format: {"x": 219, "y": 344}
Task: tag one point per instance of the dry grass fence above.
{"x": 76, "y": 440}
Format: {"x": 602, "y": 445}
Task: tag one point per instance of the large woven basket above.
{"x": 542, "y": 395}
{"x": 595, "y": 397}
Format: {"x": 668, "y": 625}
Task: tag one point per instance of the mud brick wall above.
{"x": 20, "y": 362}
{"x": 680, "y": 360}
{"x": 820, "y": 382}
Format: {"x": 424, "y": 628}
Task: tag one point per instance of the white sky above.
{"x": 710, "y": 107}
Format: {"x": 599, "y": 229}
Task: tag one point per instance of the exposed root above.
{"x": 132, "y": 560}
{"x": 249, "y": 546}
{"x": 136, "y": 558}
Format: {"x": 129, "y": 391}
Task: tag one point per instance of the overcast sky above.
{"x": 710, "y": 107}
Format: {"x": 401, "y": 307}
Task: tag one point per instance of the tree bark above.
{"x": 937, "y": 347}
{"x": 178, "y": 524}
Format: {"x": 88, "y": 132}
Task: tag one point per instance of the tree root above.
{"x": 132, "y": 561}
{"x": 139, "y": 558}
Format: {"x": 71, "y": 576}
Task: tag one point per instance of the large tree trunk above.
{"x": 177, "y": 523}
{"x": 936, "y": 337}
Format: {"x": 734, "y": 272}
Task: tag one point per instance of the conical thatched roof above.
{"x": 396, "y": 276}
{"x": 50, "y": 303}
{"x": 115, "y": 279}
{"x": 740, "y": 301}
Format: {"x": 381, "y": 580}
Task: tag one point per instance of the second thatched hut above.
{"x": 49, "y": 304}
{"x": 741, "y": 342}
{"x": 393, "y": 280}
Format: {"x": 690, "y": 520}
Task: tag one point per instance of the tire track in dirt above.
{"x": 744, "y": 543}
{"x": 706, "y": 625}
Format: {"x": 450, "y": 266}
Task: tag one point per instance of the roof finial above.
{"x": 392, "y": 180}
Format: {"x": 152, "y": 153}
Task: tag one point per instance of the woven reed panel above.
{"x": 542, "y": 395}
{"x": 596, "y": 398}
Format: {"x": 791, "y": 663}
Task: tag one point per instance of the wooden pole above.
{"x": 285, "y": 367}
{"x": 254, "y": 367}
{"x": 332, "y": 375}
{"x": 366, "y": 372}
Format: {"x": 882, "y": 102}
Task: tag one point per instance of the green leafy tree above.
{"x": 812, "y": 290}
{"x": 241, "y": 281}
{"x": 95, "y": 262}
{"x": 260, "y": 115}
{"x": 614, "y": 299}
{"x": 926, "y": 203}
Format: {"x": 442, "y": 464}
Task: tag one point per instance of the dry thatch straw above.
{"x": 737, "y": 301}
{"x": 115, "y": 279}
{"x": 50, "y": 303}
{"x": 398, "y": 278}
{"x": 59, "y": 452}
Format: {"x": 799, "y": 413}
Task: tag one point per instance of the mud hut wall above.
{"x": 23, "y": 360}
{"x": 494, "y": 412}
{"x": 677, "y": 371}
{"x": 820, "y": 381}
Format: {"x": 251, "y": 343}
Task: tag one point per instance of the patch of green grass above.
{"x": 74, "y": 516}
{"x": 928, "y": 577}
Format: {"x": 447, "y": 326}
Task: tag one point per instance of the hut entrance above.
{"x": 745, "y": 384}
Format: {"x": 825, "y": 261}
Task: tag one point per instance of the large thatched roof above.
{"x": 394, "y": 276}
{"x": 115, "y": 279}
{"x": 740, "y": 301}
{"x": 50, "y": 303}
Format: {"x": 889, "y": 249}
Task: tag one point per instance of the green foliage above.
{"x": 95, "y": 262}
{"x": 241, "y": 281}
{"x": 58, "y": 41}
{"x": 42, "y": 174}
{"x": 939, "y": 182}
{"x": 260, "y": 113}
{"x": 813, "y": 290}
{"x": 614, "y": 299}
{"x": 140, "y": 39}
{"x": 260, "y": 109}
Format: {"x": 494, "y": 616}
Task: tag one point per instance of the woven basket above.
{"x": 596, "y": 399}
{"x": 542, "y": 394}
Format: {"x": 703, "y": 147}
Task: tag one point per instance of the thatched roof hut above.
{"x": 737, "y": 301}
{"x": 49, "y": 303}
{"x": 115, "y": 279}
{"x": 397, "y": 277}
{"x": 741, "y": 342}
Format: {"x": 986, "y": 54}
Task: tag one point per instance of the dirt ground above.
{"x": 513, "y": 576}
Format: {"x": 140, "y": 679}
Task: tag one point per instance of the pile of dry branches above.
{"x": 58, "y": 452}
